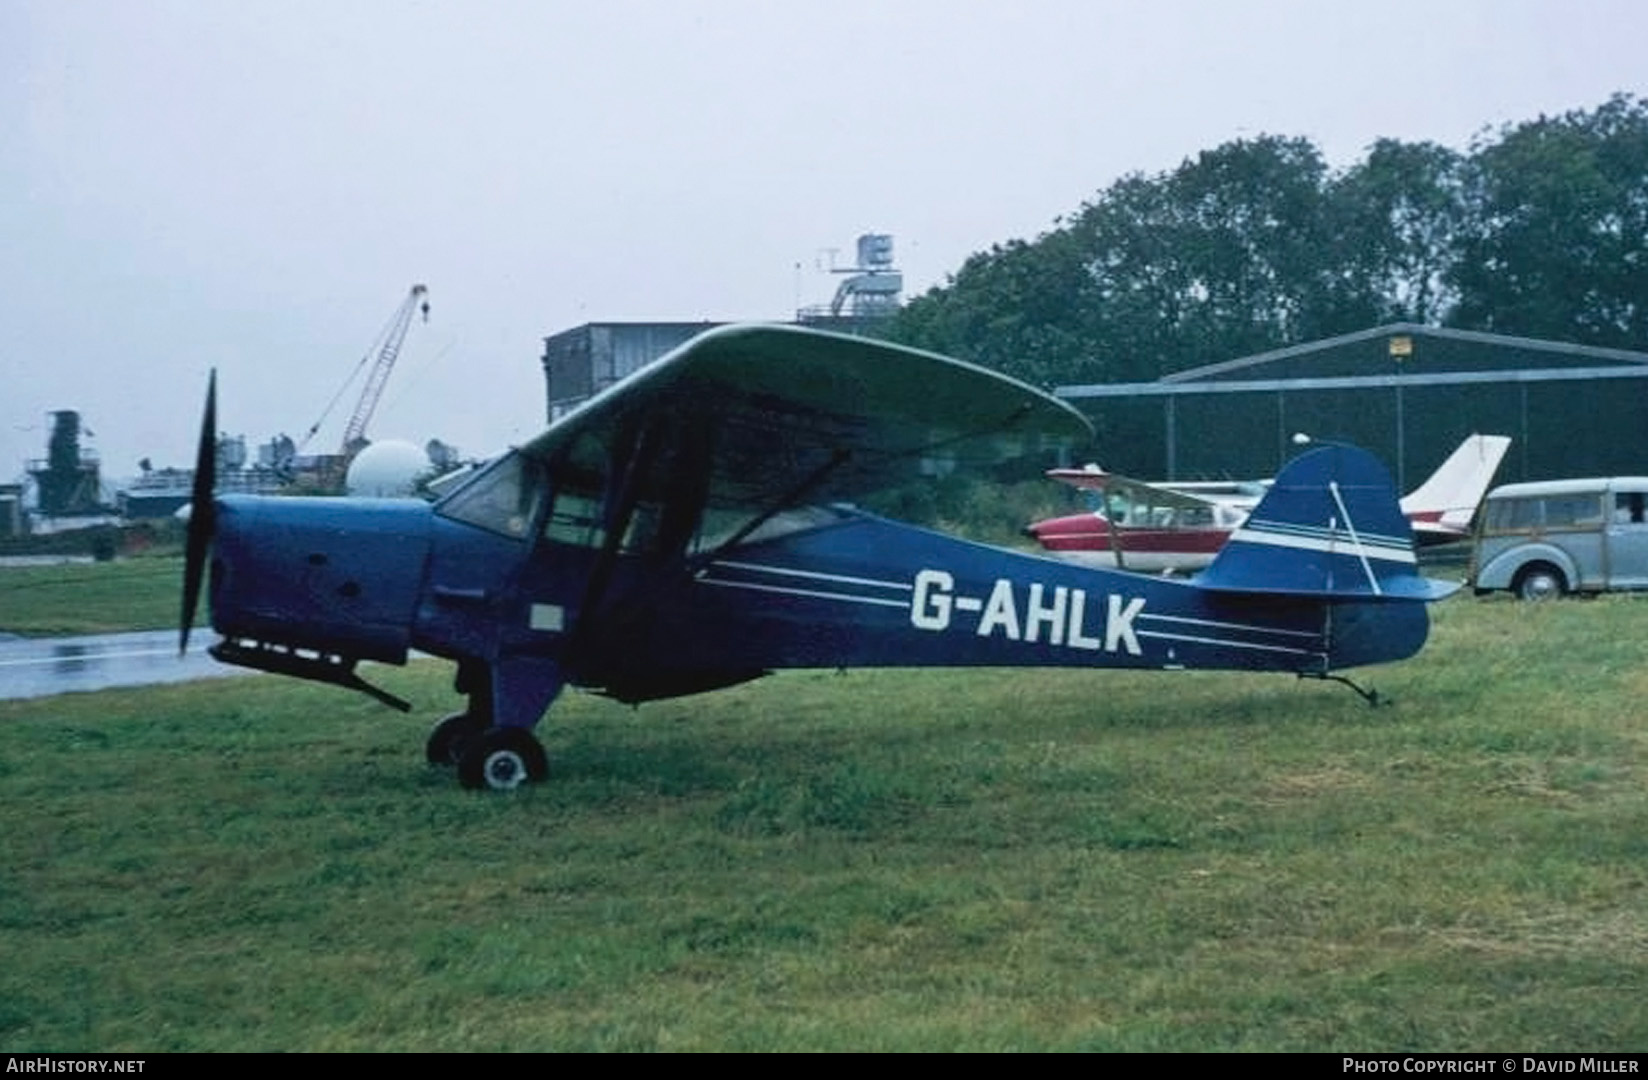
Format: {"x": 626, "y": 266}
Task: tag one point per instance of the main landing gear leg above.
{"x": 491, "y": 742}
{"x": 453, "y": 733}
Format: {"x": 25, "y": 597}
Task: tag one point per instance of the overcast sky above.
{"x": 255, "y": 185}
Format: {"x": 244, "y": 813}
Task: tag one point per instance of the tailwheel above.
{"x": 450, "y": 736}
{"x": 502, "y": 759}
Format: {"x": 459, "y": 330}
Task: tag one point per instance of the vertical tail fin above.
{"x": 1448, "y": 499}
{"x": 1330, "y": 526}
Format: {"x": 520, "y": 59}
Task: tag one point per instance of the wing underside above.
{"x": 761, "y": 416}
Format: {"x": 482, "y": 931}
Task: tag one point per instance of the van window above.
{"x": 1572, "y": 511}
{"x": 1628, "y": 508}
{"x": 1513, "y": 515}
{"x": 1575, "y": 511}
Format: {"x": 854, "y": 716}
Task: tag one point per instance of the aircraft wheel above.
{"x": 447, "y": 740}
{"x": 502, "y": 759}
{"x": 1540, "y": 582}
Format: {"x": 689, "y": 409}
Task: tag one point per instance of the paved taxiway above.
{"x": 39, "y": 667}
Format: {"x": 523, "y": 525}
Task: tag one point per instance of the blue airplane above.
{"x": 692, "y": 528}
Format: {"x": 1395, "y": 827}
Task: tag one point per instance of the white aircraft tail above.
{"x": 1449, "y": 498}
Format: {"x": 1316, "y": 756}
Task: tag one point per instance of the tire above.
{"x": 502, "y": 759}
{"x": 1539, "y": 581}
{"x": 447, "y": 740}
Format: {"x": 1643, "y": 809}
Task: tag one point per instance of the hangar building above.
{"x": 581, "y": 362}
{"x": 1406, "y": 392}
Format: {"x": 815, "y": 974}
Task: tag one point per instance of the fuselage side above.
{"x": 866, "y": 592}
{"x": 813, "y": 588}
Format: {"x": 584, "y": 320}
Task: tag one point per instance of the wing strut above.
{"x": 644, "y": 450}
{"x": 1113, "y": 528}
{"x": 626, "y": 495}
{"x": 812, "y": 480}
{"x": 621, "y": 507}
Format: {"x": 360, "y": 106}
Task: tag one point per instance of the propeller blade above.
{"x": 202, "y": 513}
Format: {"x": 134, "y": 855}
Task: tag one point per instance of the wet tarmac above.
{"x": 42, "y": 560}
{"x": 40, "y": 667}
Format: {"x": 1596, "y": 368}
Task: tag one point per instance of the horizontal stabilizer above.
{"x": 1330, "y": 526}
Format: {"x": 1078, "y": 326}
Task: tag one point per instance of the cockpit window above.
{"x": 575, "y": 518}
{"x": 502, "y": 499}
{"x": 719, "y": 526}
{"x": 505, "y": 499}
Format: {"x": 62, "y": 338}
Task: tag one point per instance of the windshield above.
{"x": 502, "y": 499}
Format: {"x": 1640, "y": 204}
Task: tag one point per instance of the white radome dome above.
{"x": 388, "y": 469}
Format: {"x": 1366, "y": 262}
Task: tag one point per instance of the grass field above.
{"x": 90, "y": 598}
{"x": 872, "y": 860}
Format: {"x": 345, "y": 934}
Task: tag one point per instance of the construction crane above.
{"x": 388, "y": 347}
{"x": 382, "y": 356}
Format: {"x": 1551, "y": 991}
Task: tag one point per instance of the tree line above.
{"x": 1538, "y": 229}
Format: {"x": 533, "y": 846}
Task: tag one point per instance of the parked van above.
{"x": 1561, "y": 536}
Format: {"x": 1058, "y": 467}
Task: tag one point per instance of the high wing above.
{"x": 1087, "y": 478}
{"x": 1140, "y": 492}
{"x": 1247, "y": 492}
{"x": 767, "y": 416}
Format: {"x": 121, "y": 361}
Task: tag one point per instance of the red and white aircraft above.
{"x": 1180, "y": 526}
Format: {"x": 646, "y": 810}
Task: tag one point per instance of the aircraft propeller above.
{"x": 202, "y": 515}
